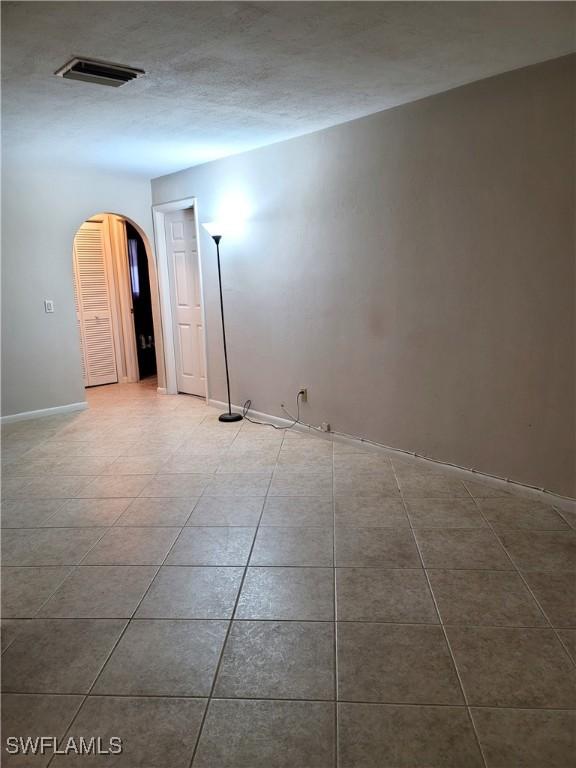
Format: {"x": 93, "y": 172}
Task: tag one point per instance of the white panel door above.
{"x": 93, "y": 306}
{"x": 186, "y": 301}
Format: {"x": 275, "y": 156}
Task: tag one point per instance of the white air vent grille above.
{"x": 98, "y": 72}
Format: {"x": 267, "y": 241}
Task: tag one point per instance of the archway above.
{"x": 116, "y": 299}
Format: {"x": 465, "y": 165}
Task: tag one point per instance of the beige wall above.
{"x": 415, "y": 270}
{"x": 42, "y": 207}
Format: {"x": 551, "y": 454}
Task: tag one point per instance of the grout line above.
{"x": 514, "y": 708}
{"x": 73, "y": 569}
{"x": 231, "y": 622}
{"x": 119, "y": 638}
{"x": 267, "y": 699}
{"x": 335, "y": 595}
{"x": 446, "y": 640}
{"x": 518, "y": 570}
{"x": 429, "y": 624}
{"x": 116, "y": 524}
{"x": 564, "y": 516}
{"x": 287, "y": 565}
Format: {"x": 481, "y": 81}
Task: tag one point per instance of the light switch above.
{"x": 48, "y": 305}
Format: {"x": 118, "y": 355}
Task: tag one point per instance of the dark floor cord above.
{"x": 248, "y": 404}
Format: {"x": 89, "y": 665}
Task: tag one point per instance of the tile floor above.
{"x": 233, "y": 596}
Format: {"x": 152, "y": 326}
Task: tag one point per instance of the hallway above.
{"x": 207, "y": 592}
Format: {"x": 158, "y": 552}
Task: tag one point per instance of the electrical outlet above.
{"x": 303, "y": 392}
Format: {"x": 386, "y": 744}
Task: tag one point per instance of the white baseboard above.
{"x": 161, "y": 390}
{"x": 464, "y": 473}
{"x": 59, "y": 409}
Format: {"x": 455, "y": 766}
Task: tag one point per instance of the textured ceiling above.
{"x": 224, "y": 77}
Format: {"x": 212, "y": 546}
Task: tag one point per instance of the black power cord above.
{"x": 248, "y": 404}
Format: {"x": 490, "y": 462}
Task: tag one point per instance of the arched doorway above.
{"x": 116, "y": 302}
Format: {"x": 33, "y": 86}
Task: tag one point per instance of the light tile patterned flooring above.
{"x": 232, "y": 596}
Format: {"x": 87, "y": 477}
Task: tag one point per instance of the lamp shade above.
{"x": 214, "y": 228}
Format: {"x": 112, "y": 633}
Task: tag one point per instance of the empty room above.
{"x": 288, "y": 384}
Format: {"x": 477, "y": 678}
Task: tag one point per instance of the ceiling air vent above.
{"x": 99, "y": 72}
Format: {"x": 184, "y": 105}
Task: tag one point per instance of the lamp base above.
{"x": 230, "y": 417}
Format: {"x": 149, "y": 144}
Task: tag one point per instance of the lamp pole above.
{"x": 224, "y": 416}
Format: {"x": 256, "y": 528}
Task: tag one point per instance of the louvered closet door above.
{"x": 93, "y": 310}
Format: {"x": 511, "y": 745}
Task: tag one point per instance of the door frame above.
{"x": 159, "y": 221}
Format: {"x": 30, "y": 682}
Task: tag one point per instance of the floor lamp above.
{"x": 215, "y": 232}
